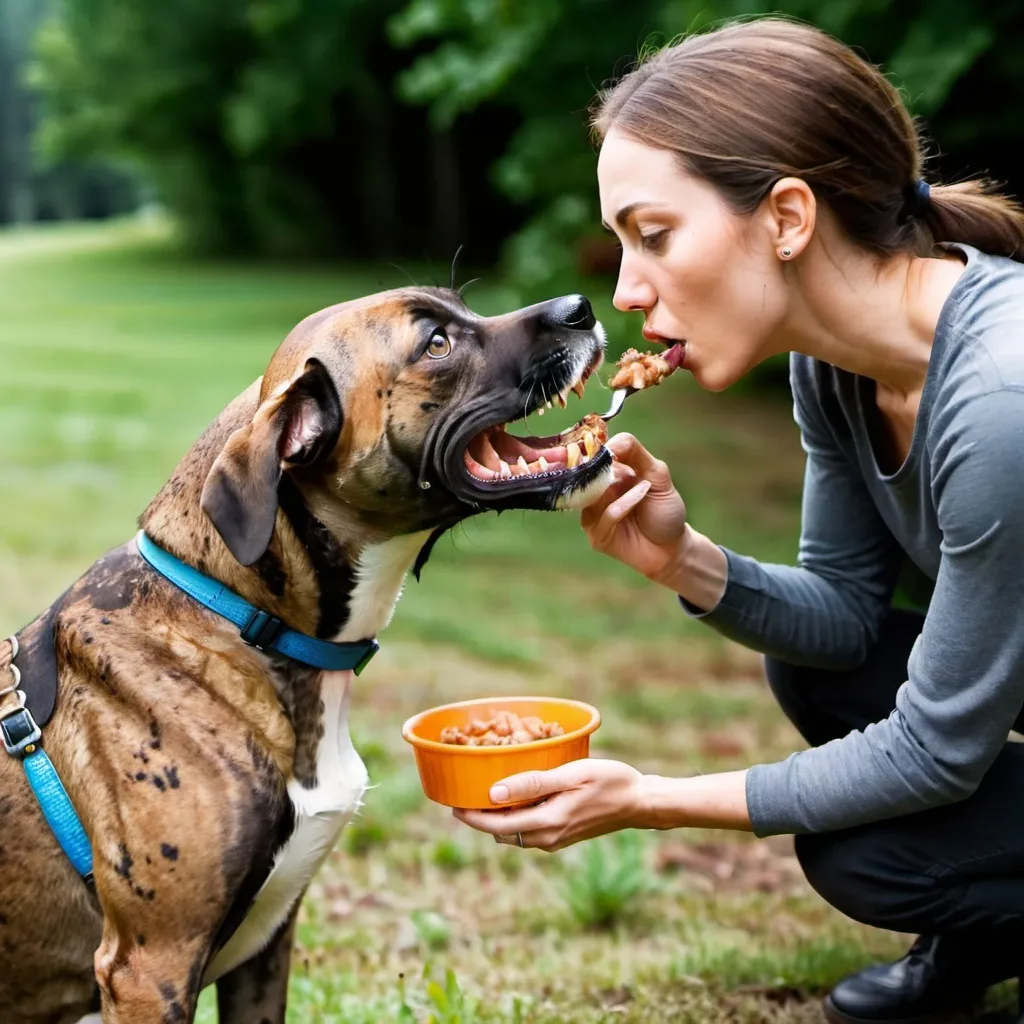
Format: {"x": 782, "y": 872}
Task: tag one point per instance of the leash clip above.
{"x": 20, "y": 732}
{"x": 261, "y": 630}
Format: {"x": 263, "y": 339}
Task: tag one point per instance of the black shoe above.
{"x": 923, "y": 988}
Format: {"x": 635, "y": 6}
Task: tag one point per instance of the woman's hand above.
{"x": 641, "y": 519}
{"x": 585, "y": 798}
{"x": 590, "y": 797}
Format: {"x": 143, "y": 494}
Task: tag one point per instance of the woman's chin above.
{"x": 715, "y": 376}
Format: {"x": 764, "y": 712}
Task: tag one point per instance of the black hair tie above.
{"x": 917, "y": 201}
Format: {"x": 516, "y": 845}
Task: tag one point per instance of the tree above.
{"x": 957, "y": 63}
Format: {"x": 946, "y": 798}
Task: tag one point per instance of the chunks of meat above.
{"x": 505, "y": 729}
{"x": 639, "y": 370}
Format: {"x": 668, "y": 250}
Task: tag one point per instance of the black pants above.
{"x": 956, "y": 871}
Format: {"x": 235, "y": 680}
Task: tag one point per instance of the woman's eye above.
{"x": 654, "y": 241}
{"x": 439, "y": 346}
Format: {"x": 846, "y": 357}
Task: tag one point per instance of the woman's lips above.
{"x": 676, "y": 349}
{"x": 652, "y": 335}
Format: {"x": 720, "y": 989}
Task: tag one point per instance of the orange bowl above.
{"x": 459, "y": 776}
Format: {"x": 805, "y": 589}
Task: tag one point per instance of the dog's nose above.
{"x": 570, "y": 311}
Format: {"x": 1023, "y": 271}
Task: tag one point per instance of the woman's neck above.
{"x": 874, "y": 319}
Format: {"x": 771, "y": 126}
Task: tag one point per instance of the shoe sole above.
{"x": 836, "y": 1016}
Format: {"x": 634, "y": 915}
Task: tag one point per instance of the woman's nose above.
{"x": 632, "y": 292}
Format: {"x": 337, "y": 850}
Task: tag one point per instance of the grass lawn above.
{"x": 115, "y": 354}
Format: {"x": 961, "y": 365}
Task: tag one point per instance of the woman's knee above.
{"x": 793, "y": 687}
{"x": 870, "y": 880}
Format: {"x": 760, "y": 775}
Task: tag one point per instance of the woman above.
{"x": 766, "y": 186}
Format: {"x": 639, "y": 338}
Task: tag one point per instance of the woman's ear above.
{"x": 297, "y": 426}
{"x": 792, "y": 210}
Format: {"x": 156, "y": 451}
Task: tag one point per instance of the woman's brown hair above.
{"x": 747, "y": 104}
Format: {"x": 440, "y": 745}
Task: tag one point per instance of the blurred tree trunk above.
{"x": 448, "y": 228}
{"x": 372, "y": 148}
{"x": 18, "y": 19}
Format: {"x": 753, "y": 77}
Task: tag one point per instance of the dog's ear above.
{"x": 297, "y": 426}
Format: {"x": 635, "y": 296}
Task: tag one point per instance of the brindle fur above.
{"x": 174, "y": 739}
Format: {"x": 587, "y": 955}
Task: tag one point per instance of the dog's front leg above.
{"x": 257, "y": 990}
{"x": 149, "y": 980}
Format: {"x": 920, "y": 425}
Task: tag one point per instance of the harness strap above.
{"x": 22, "y": 739}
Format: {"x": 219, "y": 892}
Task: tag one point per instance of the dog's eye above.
{"x": 439, "y": 346}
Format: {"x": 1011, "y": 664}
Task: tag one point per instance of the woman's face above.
{"x": 700, "y": 273}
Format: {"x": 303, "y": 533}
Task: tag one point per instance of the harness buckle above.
{"x": 261, "y": 630}
{"x": 20, "y": 732}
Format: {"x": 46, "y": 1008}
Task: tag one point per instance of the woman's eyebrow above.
{"x": 624, "y": 214}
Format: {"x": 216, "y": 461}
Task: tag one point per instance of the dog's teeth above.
{"x": 584, "y": 457}
{"x": 549, "y": 405}
{"x": 561, "y": 400}
{"x": 543, "y": 463}
{"x": 573, "y": 452}
{"x": 501, "y": 427}
{"x": 540, "y": 411}
{"x": 578, "y": 388}
{"x": 524, "y": 469}
{"x": 589, "y": 444}
{"x": 504, "y": 469}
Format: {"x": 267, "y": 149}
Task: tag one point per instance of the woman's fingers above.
{"x": 623, "y": 478}
{"x": 602, "y": 532}
{"x": 525, "y": 820}
{"x": 630, "y": 452}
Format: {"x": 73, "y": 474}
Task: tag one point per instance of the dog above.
{"x": 211, "y": 776}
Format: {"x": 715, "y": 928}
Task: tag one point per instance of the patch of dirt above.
{"x": 768, "y": 865}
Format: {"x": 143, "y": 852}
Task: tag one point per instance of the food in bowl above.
{"x": 503, "y": 730}
{"x": 460, "y": 775}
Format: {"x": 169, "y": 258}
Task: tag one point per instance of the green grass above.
{"x": 116, "y": 353}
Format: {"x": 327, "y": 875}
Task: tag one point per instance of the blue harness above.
{"x": 22, "y": 736}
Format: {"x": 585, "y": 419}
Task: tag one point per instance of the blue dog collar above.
{"x": 259, "y": 629}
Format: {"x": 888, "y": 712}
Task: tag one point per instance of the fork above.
{"x": 619, "y": 396}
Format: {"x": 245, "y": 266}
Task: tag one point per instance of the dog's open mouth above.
{"x": 495, "y": 455}
{"x": 486, "y": 465}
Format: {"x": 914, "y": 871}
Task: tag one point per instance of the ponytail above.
{"x": 976, "y": 213}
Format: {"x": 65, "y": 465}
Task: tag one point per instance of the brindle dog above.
{"x": 213, "y": 778}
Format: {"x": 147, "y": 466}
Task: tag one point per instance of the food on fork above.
{"x": 505, "y": 729}
{"x": 639, "y": 370}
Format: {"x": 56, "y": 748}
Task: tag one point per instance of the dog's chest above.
{"x": 324, "y": 808}
{"x": 321, "y": 812}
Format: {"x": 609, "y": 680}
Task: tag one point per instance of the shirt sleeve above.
{"x": 826, "y": 611}
{"x": 965, "y": 683}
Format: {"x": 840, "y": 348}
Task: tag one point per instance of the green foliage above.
{"x": 449, "y": 855}
{"x": 276, "y": 126}
{"x": 216, "y": 101}
{"x": 605, "y": 879}
{"x": 433, "y": 929}
{"x": 545, "y": 58}
{"x": 444, "y": 1001}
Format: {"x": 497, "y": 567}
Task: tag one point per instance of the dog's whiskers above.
{"x": 451, "y": 287}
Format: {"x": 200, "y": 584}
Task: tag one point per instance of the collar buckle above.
{"x": 372, "y": 648}
{"x": 261, "y": 630}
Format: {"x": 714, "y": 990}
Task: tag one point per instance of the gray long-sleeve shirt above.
{"x": 955, "y": 509}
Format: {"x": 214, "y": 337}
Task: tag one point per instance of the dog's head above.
{"x": 392, "y": 409}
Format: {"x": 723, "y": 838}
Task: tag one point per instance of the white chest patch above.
{"x": 322, "y": 812}
{"x": 320, "y": 815}
{"x": 380, "y": 575}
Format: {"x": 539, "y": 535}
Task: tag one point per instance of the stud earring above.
{"x": 785, "y": 253}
